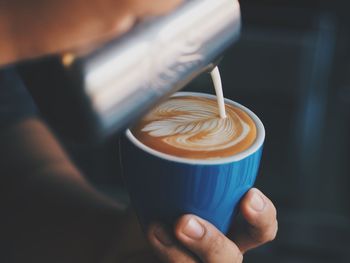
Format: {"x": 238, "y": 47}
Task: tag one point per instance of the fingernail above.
{"x": 162, "y": 236}
{"x": 193, "y": 229}
{"x": 257, "y": 203}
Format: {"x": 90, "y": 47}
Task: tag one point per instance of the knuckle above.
{"x": 274, "y": 212}
{"x": 274, "y": 231}
{"x": 271, "y": 234}
{"x": 216, "y": 243}
{"x": 239, "y": 258}
{"x": 261, "y": 236}
{"x": 123, "y": 24}
{"x": 268, "y": 235}
{"x": 271, "y": 211}
{"x": 220, "y": 249}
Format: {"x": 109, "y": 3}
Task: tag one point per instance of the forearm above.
{"x": 31, "y": 157}
{"x": 48, "y": 208}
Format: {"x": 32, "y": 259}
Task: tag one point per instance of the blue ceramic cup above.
{"x": 164, "y": 187}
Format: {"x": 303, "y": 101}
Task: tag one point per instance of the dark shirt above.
{"x": 16, "y": 103}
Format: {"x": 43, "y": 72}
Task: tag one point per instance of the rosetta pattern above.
{"x": 195, "y": 125}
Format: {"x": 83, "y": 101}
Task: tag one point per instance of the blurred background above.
{"x": 292, "y": 68}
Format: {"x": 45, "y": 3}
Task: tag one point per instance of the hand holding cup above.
{"x": 205, "y": 242}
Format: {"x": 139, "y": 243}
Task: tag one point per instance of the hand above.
{"x": 197, "y": 239}
{"x": 36, "y": 28}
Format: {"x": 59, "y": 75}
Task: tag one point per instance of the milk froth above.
{"x": 191, "y": 127}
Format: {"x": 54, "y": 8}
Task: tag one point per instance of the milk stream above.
{"x": 215, "y": 75}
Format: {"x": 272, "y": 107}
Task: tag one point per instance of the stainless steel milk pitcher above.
{"x": 123, "y": 79}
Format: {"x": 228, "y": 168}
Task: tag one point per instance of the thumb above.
{"x": 206, "y": 241}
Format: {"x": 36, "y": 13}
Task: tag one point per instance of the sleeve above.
{"x": 15, "y": 101}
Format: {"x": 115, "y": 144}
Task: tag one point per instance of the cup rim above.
{"x": 259, "y": 140}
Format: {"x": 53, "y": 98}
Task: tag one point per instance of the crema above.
{"x": 191, "y": 127}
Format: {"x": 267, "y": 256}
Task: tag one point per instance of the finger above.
{"x": 260, "y": 221}
{"x": 166, "y": 247}
{"x": 125, "y": 21}
{"x": 156, "y": 7}
{"x": 128, "y": 14}
{"x": 204, "y": 240}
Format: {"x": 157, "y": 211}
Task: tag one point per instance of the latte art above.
{"x": 191, "y": 127}
{"x": 195, "y": 126}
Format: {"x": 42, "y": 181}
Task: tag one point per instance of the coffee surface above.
{"x": 191, "y": 127}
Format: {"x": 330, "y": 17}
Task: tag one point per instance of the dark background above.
{"x": 291, "y": 67}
